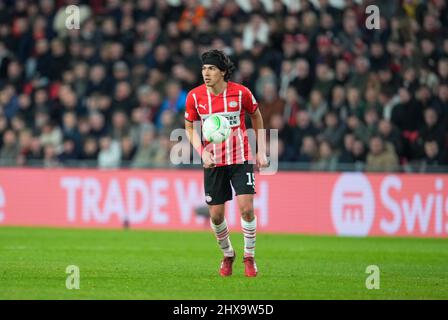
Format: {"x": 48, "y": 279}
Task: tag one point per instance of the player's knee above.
{"x": 217, "y": 219}
{"x": 216, "y": 215}
{"x": 247, "y": 212}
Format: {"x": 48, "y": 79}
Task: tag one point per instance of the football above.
{"x": 216, "y": 128}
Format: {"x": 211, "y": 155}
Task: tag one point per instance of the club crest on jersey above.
{"x": 233, "y": 104}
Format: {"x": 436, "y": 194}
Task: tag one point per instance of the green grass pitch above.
{"x": 130, "y": 264}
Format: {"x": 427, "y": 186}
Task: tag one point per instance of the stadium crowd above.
{"x": 111, "y": 92}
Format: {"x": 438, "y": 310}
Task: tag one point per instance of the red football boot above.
{"x": 250, "y": 267}
{"x": 226, "y": 266}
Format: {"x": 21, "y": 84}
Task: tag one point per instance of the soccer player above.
{"x": 227, "y": 164}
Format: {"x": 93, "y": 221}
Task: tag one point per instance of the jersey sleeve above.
{"x": 250, "y": 104}
{"x": 191, "y": 113}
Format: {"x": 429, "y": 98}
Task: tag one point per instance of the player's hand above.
{"x": 208, "y": 159}
{"x": 262, "y": 160}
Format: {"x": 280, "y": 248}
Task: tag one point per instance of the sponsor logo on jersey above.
{"x": 233, "y": 117}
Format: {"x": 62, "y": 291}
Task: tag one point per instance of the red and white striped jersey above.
{"x": 233, "y": 104}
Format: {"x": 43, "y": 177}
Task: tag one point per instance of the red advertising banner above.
{"x": 350, "y": 204}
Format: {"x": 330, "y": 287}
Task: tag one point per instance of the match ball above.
{"x": 216, "y": 128}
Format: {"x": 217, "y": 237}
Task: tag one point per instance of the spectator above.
{"x": 109, "y": 155}
{"x": 146, "y": 151}
{"x": 9, "y": 151}
{"x": 434, "y": 158}
{"x": 51, "y": 135}
{"x": 17, "y": 124}
{"x": 303, "y": 81}
{"x": 69, "y": 152}
{"x": 359, "y": 154}
{"x": 304, "y": 127}
{"x": 390, "y": 134}
{"x": 324, "y": 80}
{"x": 121, "y": 72}
{"x": 292, "y": 106}
{"x": 265, "y": 76}
{"x": 120, "y": 127}
{"x": 35, "y": 152}
{"x": 128, "y": 150}
{"x": 338, "y": 103}
{"x": 25, "y": 140}
{"x": 162, "y": 59}
{"x": 25, "y": 110}
{"x": 388, "y": 79}
{"x": 327, "y": 159}
{"x": 15, "y": 75}
{"x": 123, "y": 97}
{"x": 193, "y": 14}
{"x": 410, "y": 80}
{"x": 80, "y": 71}
{"x": 174, "y": 102}
{"x": 432, "y": 128}
{"x": 304, "y": 49}
{"x": 97, "y": 125}
{"x": 162, "y": 151}
{"x": 59, "y": 59}
{"x": 289, "y": 47}
{"x": 372, "y": 100}
{"x": 246, "y": 73}
{"x": 441, "y": 104}
{"x": 406, "y": 115}
{"x": 442, "y": 70}
{"x": 90, "y": 151}
{"x": 361, "y": 74}
{"x": 308, "y": 151}
{"x": 382, "y": 156}
{"x": 139, "y": 125}
{"x": 257, "y": 30}
{"x": 286, "y": 150}
{"x": 355, "y": 105}
{"x": 388, "y": 101}
{"x": 70, "y": 130}
{"x": 270, "y": 103}
{"x": 50, "y": 157}
{"x": 371, "y": 119}
{"x": 378, "y": 55}
{"x": 317, "y": 107}
{"x": 97, "y": 80}
{"x": 342, "y": 72}
{"x": 333, "y": 131}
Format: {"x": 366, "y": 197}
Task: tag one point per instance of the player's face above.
{"x": 212, "y": 75}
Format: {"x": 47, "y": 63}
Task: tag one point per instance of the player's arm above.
{"x": 193, "y": 136}
{"x": 195, "y": 140}
{"x": 251, "y": 106}
{"x": 257, "y": 124}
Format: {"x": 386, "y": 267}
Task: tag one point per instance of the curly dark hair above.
{"x": 223, "y": 61}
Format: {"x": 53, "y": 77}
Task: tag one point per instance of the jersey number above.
{"x": 250, "y": 179}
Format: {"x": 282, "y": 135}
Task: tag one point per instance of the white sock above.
{"x": 249, "y": 232}
{"x": 222, "y": 235}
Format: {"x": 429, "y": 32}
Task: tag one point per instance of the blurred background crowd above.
{"x": 110, "y": 93}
